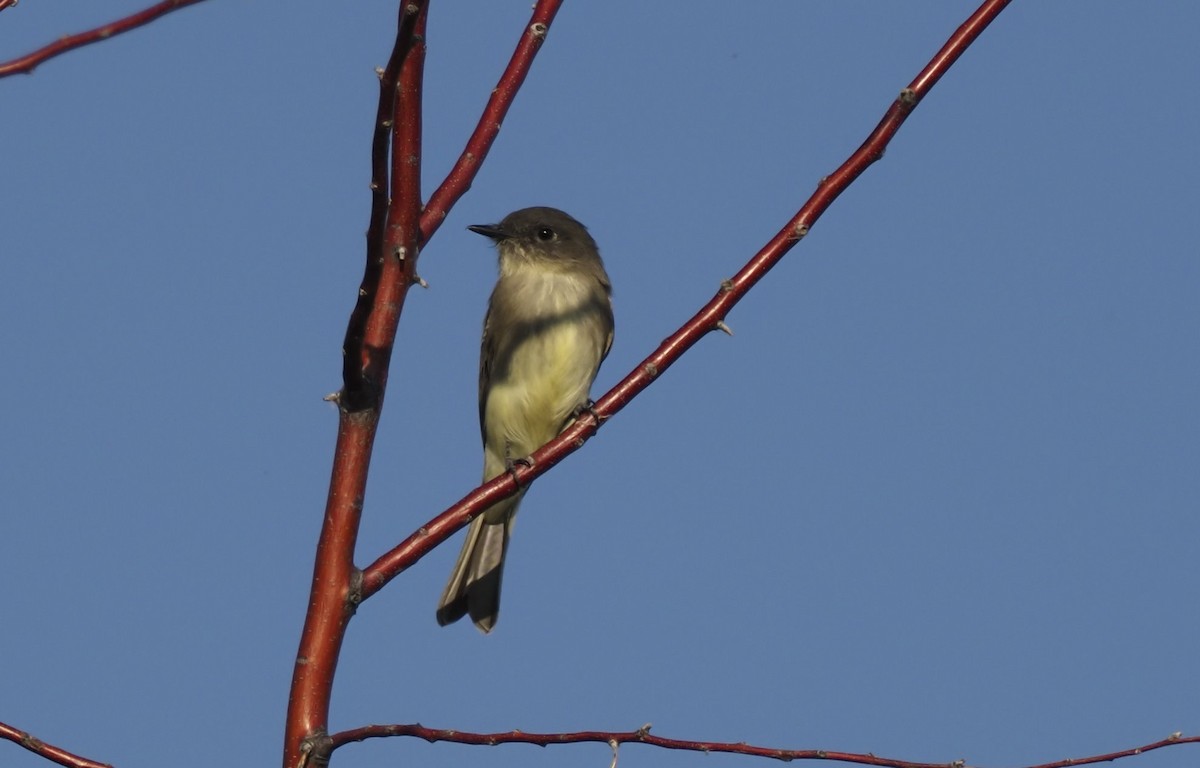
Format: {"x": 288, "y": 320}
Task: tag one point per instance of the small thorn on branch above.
{"x": 418, "y": 280}
{"x": 644, "y": 731}
{"x": 333, "y": 397}
{"x": 721, "y": 326}
{"x": 379, "y": 72}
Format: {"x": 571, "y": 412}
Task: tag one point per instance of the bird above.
{"x": 548, "y": 327}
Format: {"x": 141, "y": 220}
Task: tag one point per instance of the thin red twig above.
{"x": 27, "y": 63}
{"x": 458, "y": 181}
{"x": 41, "y": 748}
{"x": 709, "y": 318}
{"x": 7, "y": 4}
{"x": 643, "y": 736}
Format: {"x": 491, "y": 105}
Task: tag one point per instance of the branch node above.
{"x": 800, "y": 231}
{"x": 418, "y": 280}
{"x": 721, "y": 326}
{"x": 379, "y": 72}
{"x": 314, "y": 749}
{"x": 644, "y": 731}
{"x": 333, "y": 397}
{"x": 538, "y": 29}
{"x": 908, "y": 97}
{"x": 651, "y": 370}
{"x": 354, "y": 594}
{"x": 411, "y": 9}
{"x": 726, "y": 285}
{"x": 613, "y": 743}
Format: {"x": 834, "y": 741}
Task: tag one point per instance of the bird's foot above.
{"x": 510, "y": 466}
{"x": 588, "y": 407}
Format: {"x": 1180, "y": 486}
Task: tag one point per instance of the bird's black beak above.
{"x": 489, "y": 230}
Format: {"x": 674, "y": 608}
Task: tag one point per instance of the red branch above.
{"x": 458, "y": 181}
{"x": 41, "y": 748}
{"x": 27, "y": 63}
{"x": 392, "y": 241}
{"x": 7, "y": 4}
{"x": 395, "y": 232}
{"x": 709, "y": 318}
{"x": 643, "y": 736}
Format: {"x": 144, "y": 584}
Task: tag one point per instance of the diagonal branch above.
{"x": 643, "y": 736}
{"x": 42, "y": 749}
{"x": 710, "y": 318}
{"x": 27, "y": 63}
{"x": 458, "y": 181}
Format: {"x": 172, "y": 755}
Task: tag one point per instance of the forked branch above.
{"x": 711, "y": 317}
{"x": 399, "y": 226}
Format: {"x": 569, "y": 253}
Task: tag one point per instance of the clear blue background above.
{"x": 936, "y": 499}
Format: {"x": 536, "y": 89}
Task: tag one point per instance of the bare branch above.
{"x": 458, "y": 181}
{"x": 710, "y": 318}
{"x": 643, "y": 736}
{"x": 394, "y": 235}
{"x": 41, "y": 748}
{"x": 7, "y": 4}
{"x": 392, "y": 242}
{"x": 27, "y": 63}
{"x": 360, "y": 390}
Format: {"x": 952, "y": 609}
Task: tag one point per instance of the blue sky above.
{"x": 935, "y": 499}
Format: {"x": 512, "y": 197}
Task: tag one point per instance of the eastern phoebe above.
{"x": 549, "y": 324}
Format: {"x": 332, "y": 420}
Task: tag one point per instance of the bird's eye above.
{"x": 545, "y": 234}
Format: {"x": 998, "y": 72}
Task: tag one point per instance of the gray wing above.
{"x": 487, "y": 353}
{"x": 610, "y": 323}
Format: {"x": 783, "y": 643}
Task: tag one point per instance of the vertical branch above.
{"x": 396, "y": 231}
{"x": 392, "y": 243}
